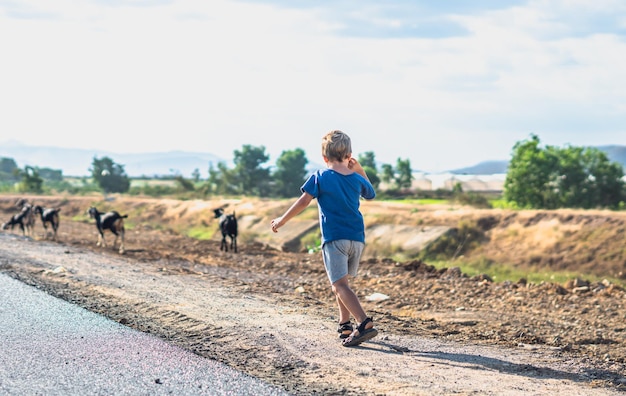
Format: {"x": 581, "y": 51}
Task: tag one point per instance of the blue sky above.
{"x": 445, "y": 84}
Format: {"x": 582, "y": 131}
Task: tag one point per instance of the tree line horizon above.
{"x": 538, "y": 177}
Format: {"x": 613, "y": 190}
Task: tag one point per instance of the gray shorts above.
{"x": 341, "y": 257}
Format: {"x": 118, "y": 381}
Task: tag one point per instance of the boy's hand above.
{"x": 293, "y": 210}
{"x": 354, "y": 165}
{"x": 275, "y": 224}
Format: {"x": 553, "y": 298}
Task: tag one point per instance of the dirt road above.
{"x": 285, "y": 338}
{"x": 271, "y": 314}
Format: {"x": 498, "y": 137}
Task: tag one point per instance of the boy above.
{"x": 338, "y": 190}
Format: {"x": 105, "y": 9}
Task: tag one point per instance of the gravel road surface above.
{"x": 51, "y": 347}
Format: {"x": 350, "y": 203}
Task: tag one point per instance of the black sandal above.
{"x": 362, "y": 336}
{"x": 345, "y": 329}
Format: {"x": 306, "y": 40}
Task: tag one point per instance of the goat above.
{"x": 48, "y": 215}
{"x": 109, "y": 221}
{"x": 16, "y": 219}
{"x": 228, "y": 227}
{"x": 29, "y": 218}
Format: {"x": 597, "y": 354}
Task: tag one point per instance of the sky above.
{"x": 444, "y": 84}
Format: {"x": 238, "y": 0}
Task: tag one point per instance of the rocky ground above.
{"x": 579, "y": 323}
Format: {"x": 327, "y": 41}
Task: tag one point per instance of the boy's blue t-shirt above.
{"x": 338, "y": 197}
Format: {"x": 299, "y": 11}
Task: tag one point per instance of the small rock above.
{"x": 377, "y": 297}
{"x": 454, "y": 272}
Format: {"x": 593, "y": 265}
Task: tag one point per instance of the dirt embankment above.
{"x": 551, "y": 335}
{"x": 580, "y": 242}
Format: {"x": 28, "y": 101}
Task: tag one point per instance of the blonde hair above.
{"x": 336, "y": 146}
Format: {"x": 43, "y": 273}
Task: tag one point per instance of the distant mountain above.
{"x": 76, "y": 162}
{"x": 614, "y": 153}
{"x": 483, "y": 168}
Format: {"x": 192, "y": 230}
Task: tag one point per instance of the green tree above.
{"x": 404, "y": 174}
{"x": 552, "y": 177}
{"x": 109, "y": 176}
{"x": 388, "y": 174}
{"x": 7, "y": 165}
{"x": 51, "y": 174}
{"x": 587, "y": 179}
{"x": 608, "y": 187}
{"x": 195, "y": 175}
{"x": 31, "y": 181}
{"x": 184, "y": 184}
{"x": 221, "y": 180}
{"x": 213, "y": 180}
{"x": 8, "y": 169}
{"x": 530, "y": 181}
{"x": 572, "y": 182}
{"x": 457, "y": 190}
{"x": 367, "y": 159}
{"x": 401, "y": 175}
{"x": 250, "y": 177}
{"x": 290, "y": 173}
{"x": 368, "y": 162}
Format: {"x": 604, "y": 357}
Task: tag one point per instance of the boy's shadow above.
{"x": 478, "y": 362}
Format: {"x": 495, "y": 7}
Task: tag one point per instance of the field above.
{"x": 577, "y": 317}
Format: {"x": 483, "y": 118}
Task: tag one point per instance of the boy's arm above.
{"x": 355, "y": 166}
{"x": 295, "y": 209}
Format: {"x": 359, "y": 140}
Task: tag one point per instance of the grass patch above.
{"x": 380, "y": 218}
{"x": 312, "y": 241}
{"x": 400, "y": 256}
{"x": 384, "y": 250}
{"x": 504, "y": 272}
{"x": 502, "y": 204}
{"x": 83, "y": 218}
{"x": 201, "y": 233}
{"x": 422, "y": 201}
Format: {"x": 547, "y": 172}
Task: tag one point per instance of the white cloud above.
{"x": 212, "y": 76}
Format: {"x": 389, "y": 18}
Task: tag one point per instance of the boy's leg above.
{"x": 341, "y": 259}
{"x": 365, "y": 330}
{"x": 347, "y": 299}
{"x": 336, "y": 260}
{"x": 344, "y": 312}
{"x": 345, "y": 328}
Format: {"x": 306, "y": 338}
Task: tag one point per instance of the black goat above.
{"x": 29, "y": 217}
{"x": 16, "y": 219}
{"x": 109, "y": 221}
{"x": 48, "y": 215}
{"x": 228, "y": 227}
